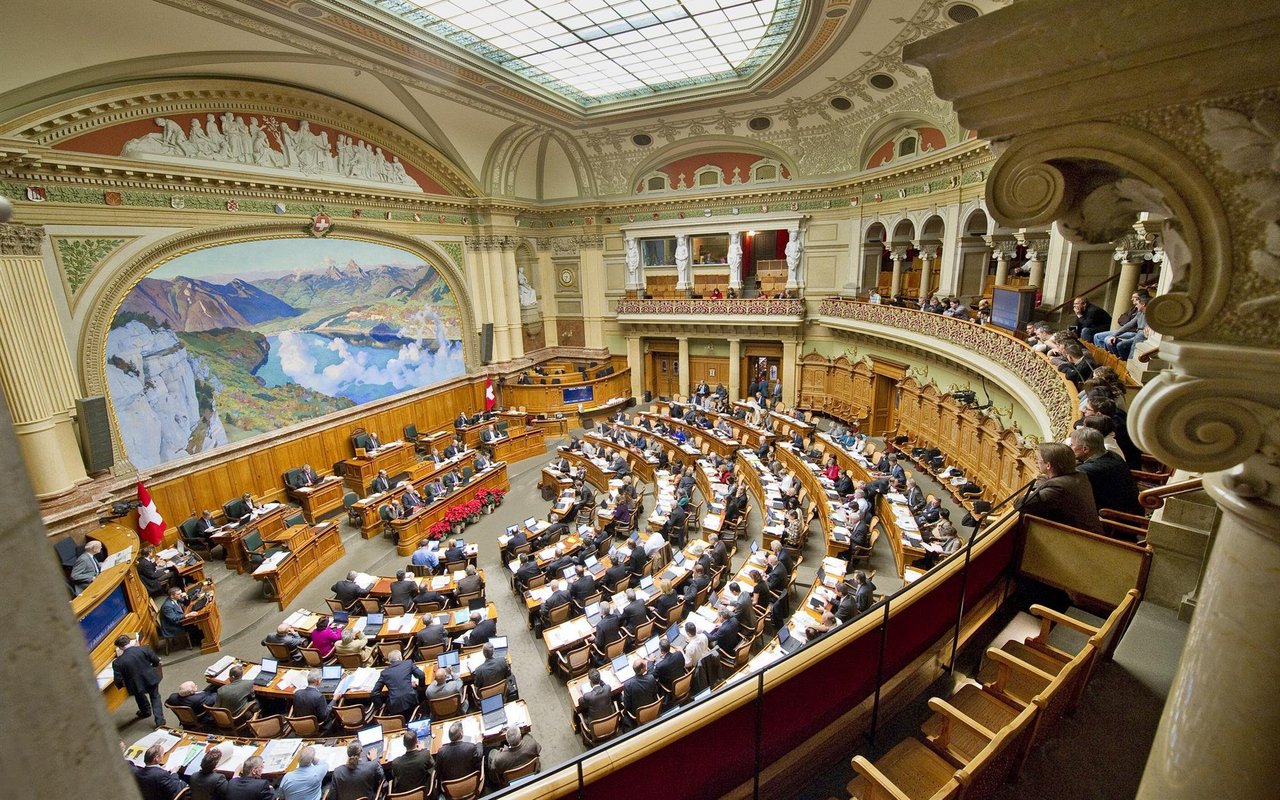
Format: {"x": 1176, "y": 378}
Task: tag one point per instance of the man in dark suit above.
{"x": 864, "y": 592}
{"x": 427, "y": 596}
{"x": 697, "y": 580}
{"x": 136, "y": 670}
{"x": 173, "y": 617}
{"x": 719, "y": 553}
{"x": 777, "y": 578}
{"x": 154, "y": 781}
{"x": 456, "y": 551}
{"x": 635, "y": 613}
{"x": 309, "y": 700}
{"x": 844, "y": 484}
{"x": 784, "y": 558}
{"x": 915, "y": 496}
{"x": 637, "y": 560}
{"x": 640, "y": 689}
{"x": 397, "y": 677}
{"x": 309, "y": 477}
{"x": 527, "y": 570}
{"x": 1090, "y": 319}
{"x": 381, "y": 483}
{"x": 521, "y": 748}
{"x": 619, "y": 570}
{"x": 1109, "y": 476}
{"x": 86, "y": 566}
{"x": 846, "y": 607}
{"x": 189, "y": 695}
{"x": 249, "y": 784}
{"x": 483, "y": 628}
{"x": 470, "y": 583}
{"x": 726, "y": 633}
{"x": 205, "y": 526}
{"x": 735, "y": 505}
{"x": 432, "y": 635}
{"x": 155, "y": 575}
{"x": 403, "y": 590}
{"x": 411, "y": 500}
{"x": 562, "y": 562}
{"x": 1061, "y": 494}
{"x": 413, "y": 769}
{"x": 668, "y": 666}
{"x": 373, "y": 441}
{"x": 673, "y": 530}
{"x": 237, "y": 693}
{"x": 449, "y": 480}
{"x": 559, "y": 596}
{"x": 360, "y": 777}
{"x": 461, "y": 421}
{"x": 347, "y": 591}
{"x": 457, "y": 759}
{"x": 492, "y": 670}
{"x": 608, "y": 627}
{"x": 517, "y": 538}
{"x": 583, "y": 586}
{"x": 597, "y": 701}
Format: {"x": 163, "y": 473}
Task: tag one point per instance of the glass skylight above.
{"x": 599, "y": 51}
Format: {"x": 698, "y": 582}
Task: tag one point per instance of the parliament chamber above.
{"x": 734, "y": 398}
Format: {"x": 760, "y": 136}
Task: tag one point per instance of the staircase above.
{"x": 1181, "y": 532}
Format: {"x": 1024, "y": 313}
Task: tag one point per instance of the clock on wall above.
{"x": 566, "y": 277}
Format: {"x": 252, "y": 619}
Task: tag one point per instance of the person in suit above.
{"x": 640, "y": 689}
{"x": 697, "y": 581}
{"x": 427, "y": 596}
{"x": 719, "y": 553}
{"x": 619, "y": 570}
{"x": 445, "y": 683}
{"x": 597, "y": 701}
{"x": 519, "y": 749}
{"x": 1109, "y": 476}
{"x": 305, "y": 781}
{"x": 864, "y": 591}
{"x": 562, "y": 561}
{"x": 381, "y": 483}
{"x": 456, "y": 758}
{"x": 471, "y": 582}
{"x": 86, "y": 566}
{"x": 207, "y": 783}
{"x": 915, "y": 496}
{"x": 347, "y": 591}
{"x": 431, "y": 635}
{"x": 309, "y": 476}
{"x": 666, "y": 600}
{"x": 517, "y": 538}
{"x": 449, "y": 480}
{"x": 1060, "y": 493}
{"x": 154, "y": 781}
{"x": 173, "y": 617}
{"x": 236, "y": 693}
{"x": 360, "y": 777}
{"x": 583, "y": 586}
{"x": 205, "y": 526}
{"x": 411, "y": 500}
{"x": 354, "y": 643}
{"x": 403, "y": 590}
{"x": 668, "y": 665}
{"x": 397, "y": 678}
{"x": 527, "y": 570}
{"x": 559, "y": 596}
{"x": 249, "y": 784}
{"x": 414, "y": 769}
{"x": 608, "y": 627}
{"x": 494, "y": 669}
{"x": 373, "y": 441}
{"x": 189, "y": 695}
{"x": 136, "y": 670}
{"x": 483, "y": 628}
{"x": 726, "y": 632}
{"x": 637, "y": 560}
{"x": 635, "y": 613}
{"x": 154, "y": 573}
{"x": 845, "y": 606}
{"x": 309, "y": 700}
{"x": 287, "y": 637}
{"x": 738, "y": 603}
{"x": 461, "y": 421}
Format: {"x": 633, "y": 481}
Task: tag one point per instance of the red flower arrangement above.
{"x": 490, "y": 496}
{"x": 439, "y": 530}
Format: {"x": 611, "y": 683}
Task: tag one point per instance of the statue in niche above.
{"x": 528, "y": 297}
{"x": 633, "y": 262}
{"x": 792, "y": 251}
{"x": 683, "y": 270}
{"x": 735, "y": 259}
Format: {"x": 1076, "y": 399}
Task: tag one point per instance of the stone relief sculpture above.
{"x": 683, "y": 271}
{"x": 633, "y": 262}
{"x": 793, "y": 250}
{"x": 528, "y": 296}
{"x": 271, "y": 143}
{"x": 735, "y": 260}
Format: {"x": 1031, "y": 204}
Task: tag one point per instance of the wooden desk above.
{"x": 231, "y": 537}
{"x": 209, "y": 622}
{"x": 548, "y": 398}
{"x": 394, "y": 457}
{"x": 411, "y": 530}
{"x": 746, "y": 433}
{"x": 320, "y": 499}
{"x": 519, "y": 446}
{"x": 316, "y": 548}
{"x": 473, "y": 726}
{"x": 422, "y": 473}
{"x": 722, "y": 446}
{"x": 640, "y": 463}
{"x": 551, "y": 426}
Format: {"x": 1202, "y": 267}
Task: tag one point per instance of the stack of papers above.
{"x": 279, "y": 753}
{"x": 298, "y": 617}
{"x": 292, "y": 679}
{"x": 220, "y": 666}
{"x": 106, "y": 677}
{"x": 238, "y": 755}
{"x": 139, "y": 748}
{"x": 331, "y": 755}
{"x": 121, "y": 557}
{"x": 272, "y": 562}
{"x": 358, "y": 680}
{"x": 365, "y": 581}
{"x": 181, "y": 757}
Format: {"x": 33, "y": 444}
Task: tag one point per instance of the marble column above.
{"x": 635, "y": 360}
{"x": 683, "y": 366}
{"x": 1002, "y": 267}
{"x": 926, "y": 274}
{"x": 899, "y": 255}
{"x": 35, "y": 367}
{"x": 506, "y": 256}
{"x": 735, "y": 369}
{"x": 591, "y": 272}
{"x": 1037, "y": 248}
{"x": 1130, "y": 268}
{"x": 501, "y": 326}
{"x": 790, "y": 354}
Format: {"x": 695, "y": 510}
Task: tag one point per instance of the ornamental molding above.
{"x": 21, "y": 240}
{"x": 739, "y": 307}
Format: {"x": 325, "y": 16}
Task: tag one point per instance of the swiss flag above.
{"x": 150, "y": 523}
{"x": 490, "y": 399}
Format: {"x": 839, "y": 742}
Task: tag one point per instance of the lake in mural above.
{"x": 233, "y": 341}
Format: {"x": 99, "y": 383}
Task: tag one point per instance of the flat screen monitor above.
{"x": 1010, "y": 308}
{"x": 578, "y": 394}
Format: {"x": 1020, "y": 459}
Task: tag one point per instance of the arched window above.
{"x": 708, "y": 177}
{"x": 766, "y": 170}
{"x": 655, "y": 182}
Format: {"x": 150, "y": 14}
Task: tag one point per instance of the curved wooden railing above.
{"x": 1154, "y": 497}
{"x": 781, "y": 307}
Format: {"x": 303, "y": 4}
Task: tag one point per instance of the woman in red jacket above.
{"x": 324, "y": 637}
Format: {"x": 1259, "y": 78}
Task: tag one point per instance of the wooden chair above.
{"x": 594, "y": 597}
{"x": 643, "y": 631}
{"x": 559, "y": 614}
{"x": 412, "y": 794}
{"x": 467, "y": 787}
{"x": 513, "y": 774}
{"x": 455, "y": 566}
{"x": 645, "y": 714}
{"x": 464, "y": 600}
{"x": 611, "y": 651}
{"x": 537, "y": 581}
{"x": 390, "y": 724}
{"x": 352, "y": 717}
{"x": 349, "y": 500}
{"x": 370, "y": 605}
{"x": 307, "y": 727}
{"x": 730, "y": 662}
{"x": 600, "y": 730}
{"x": 257, "y": 549}
{"x": 280, "y": 652}
{"x": 350, "y": 660}
{"x": 680, "y": 691}
{"x": 268, "y": 727}
{"x": 396, "y": 609}
{"x": 335, "y": 605}
{"x": 574, "y": 663}
{"x": 187, "y": 717}
{"x": 430, "y": 653}
{"x": 481, "y": 692}
{"x": 225, "y": 721}
{"x": 675, "y": 613}
{"x": 385, "y": 649}
{"x": 419, "y": 570}
{"x": 444, "y": 707}
{"x": 312, "y": 658}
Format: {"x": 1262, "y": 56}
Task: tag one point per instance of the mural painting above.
{"x": 229, "y": 342}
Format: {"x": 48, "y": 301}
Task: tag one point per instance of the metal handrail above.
{"x": 1155, "y": 496}
{"x": 1085, "y": 293}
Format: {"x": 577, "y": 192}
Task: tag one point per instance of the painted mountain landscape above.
{"x": 233, "y": 341}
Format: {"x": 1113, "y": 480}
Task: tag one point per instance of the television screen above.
{"x": 102, "y": 620}
{"x": 579, "y": 394}
{"x": 1007, "y": 308}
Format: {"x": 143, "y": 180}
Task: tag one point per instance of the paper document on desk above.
{"x": 279, "y": 753}
{"x": 251, "y": 671}
{"x": 271, "y": 563}
{"x": 394, "y": 748}
{"x": 439, "y": 582}
{"x": 106, "y": 677}
{"x": 220, "y": 666}
{"x": 239, "y": 754}
{"x": 298, "y": 617}
{"x": 182, "y": 756}
{"x": 365, "y": 581}
{"x": 121, "y": 557}
{"x": 161, "y": 737}
{"x": 292, "y": 680}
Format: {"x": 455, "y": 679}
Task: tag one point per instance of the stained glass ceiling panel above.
{"x": 600, "y": 51}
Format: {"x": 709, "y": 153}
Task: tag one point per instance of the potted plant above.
{"x": 439, "y": 530}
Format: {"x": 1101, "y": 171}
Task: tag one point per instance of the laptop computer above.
{"x": 678, "y": 559}
{"x": 651, "y": 646}
{"x": 511, "y": 529}
{"x": 448, "y": 659}
{"x": 421, "y": 727}
{"x": 341, "y": 618}
{"x": 592, "y": 610}
{"x": 622, "y": 668}
{"x": 494, "y": 712}
{"x": 646, "y": 582}
{"x": 373, "y": 623}
{"x": 755, "y": 546}
{"x": 568, "y": 573}
{"x": 475, "y": 604}
{"x": 499, "y": 646}
{"x": 370, "y": 739}
{"x": 673, "y": 633}
{"x": 530, "y": 522}
{"x": 330, "y": 677}
{"x": 268, "y": 672}
{"x": 787, "y": 642}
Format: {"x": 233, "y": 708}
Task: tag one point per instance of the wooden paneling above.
{"x": 702, "y": 367}
{"x": 838, "y": 388}
{"x": 540, "y": 399}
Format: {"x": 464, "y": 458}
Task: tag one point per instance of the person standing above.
{"x": 136, "y": 669}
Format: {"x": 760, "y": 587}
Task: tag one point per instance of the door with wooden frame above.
{"x": 884, "y": 395}
{"x": 662, "y": 373}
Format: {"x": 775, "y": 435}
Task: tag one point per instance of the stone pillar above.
{"x": 505, "y": 254}
{"x": 485, "y": 295}
{"x": 501, "y": 326}
{"x": 35, "y": 367}
{"x": 735, "y": 369}
{"x": 68, "y": 708}
{"x": 551, "y": 283}
{"x": 683, "y": 366}
{"x": 635, "y": 360}
{"x": 591, "y": 274}
{"x": 972, "y": 270}
{"x": 1130, "y": 267}
{"x": 790, "y": 354}
{"x": 1037, "y": 245}
{"x": 928, "y": 255}
{"x": 899, "y": 255}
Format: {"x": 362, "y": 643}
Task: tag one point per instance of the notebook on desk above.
{"x": 267, "y": 673}
{"x": 370, "y": 740}
{"x": 622, "y": 668}
{"x": 787, "y": 642}
{"x": 330, "y": 677}
{"x": 494, "y": 712}
{"x": 373, "y": 624}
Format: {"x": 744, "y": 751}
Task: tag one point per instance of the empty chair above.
{"x": 306, "y": 727}
{"x": 352, "y": 717}
{"x": 449, "y": 705}
{"x": 467, "y": 787}
{"x": 268, "y": 727}
{"x": 599, "y": 730}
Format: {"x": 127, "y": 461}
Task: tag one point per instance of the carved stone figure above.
{"x": 528, "y": 297}
{"x": 793, "y": 250}
{"x": 683, "y": 271}
{"x": 735, "y": 260}
{"x": 633, "y": 262}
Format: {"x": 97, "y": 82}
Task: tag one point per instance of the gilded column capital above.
{"x": 21, "y": 240}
